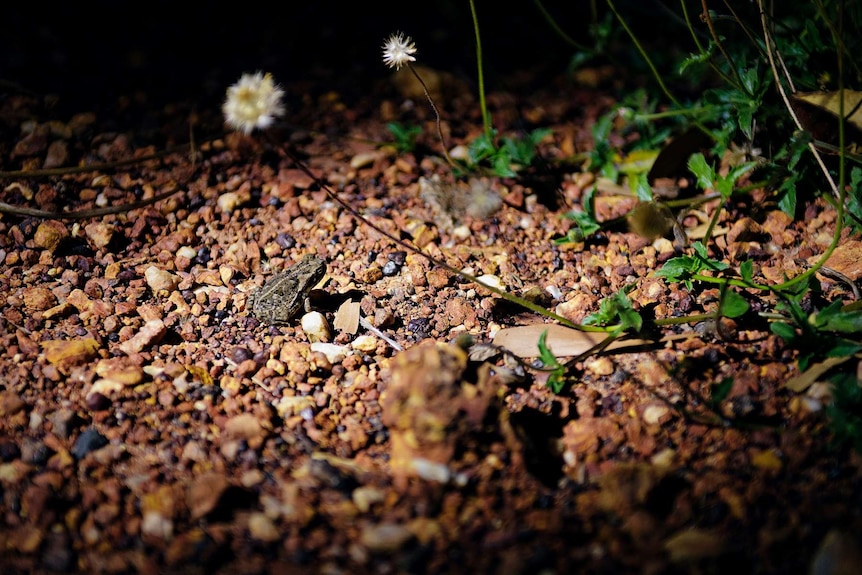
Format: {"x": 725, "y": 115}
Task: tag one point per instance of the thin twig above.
{"x": 370, "y": 327}
{"x": 82, "y": 214}
{"x": 436, "y": 115}
{"x": 709, "y": 24}
{"x": 486, "y": 118}
{"x": 770, "y": 45}
{"x": 437, "y": 262}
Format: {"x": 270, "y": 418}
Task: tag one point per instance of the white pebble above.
{"x": 159, "y": 279}
{"x": 334, "y": 353}
{"x": 364, "y": 343}
{"x": 315, "y": 326}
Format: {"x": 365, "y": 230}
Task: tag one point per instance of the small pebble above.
{"x": 334, "y": 353}
{"x": 159, "y": 279}
{"x": 390, "y": 268}
{"x": 315, "y": 326}
{"x": 97, "y": 402}
{"x": 89, "y": 440}
{"x": 9, "y": 451}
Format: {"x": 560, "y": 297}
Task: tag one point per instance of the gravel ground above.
{"x": 149, "y": 423}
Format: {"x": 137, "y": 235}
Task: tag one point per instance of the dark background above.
{"x": 91, "y": 52}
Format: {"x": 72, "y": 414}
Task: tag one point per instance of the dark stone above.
{"x": 89, "y": 440}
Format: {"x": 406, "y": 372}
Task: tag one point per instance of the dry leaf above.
{"x": 838, "y": 554}
{"x": 693, "y": 545}
{"x": 846, "y": 259}
{"x": 831, "y": 102}
{"x": 804, "y": 380}
{"x": 347, "y": 317}
{"x": 562, "y": 341}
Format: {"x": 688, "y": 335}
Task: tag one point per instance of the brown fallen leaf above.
{"x": 831, "y": 102}
{"x": 692, "y": 545}
{"x": 805, "y": 379}
{"x": 846, "y": 259}
{"x": 838, "y": 554}
{"x": 562, "y": 341}
{"x": 347, "y": 317}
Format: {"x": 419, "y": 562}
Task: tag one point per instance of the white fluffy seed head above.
{"x": 253, "y": 102}
{"x": 398, "y": 50}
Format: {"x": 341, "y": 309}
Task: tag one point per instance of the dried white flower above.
{"x": 398, "y": 50}
{"x": 253, "y": 102}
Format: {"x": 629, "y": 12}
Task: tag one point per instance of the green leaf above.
{"x": 556, "y": 379}
{"x": 733, "y": 304}
{"x": 617, "y": 309}
{"x": 787, "y": 201}
{"x": 585, "y": 220}
{"x": 831, "y": 318}
{"x": 746, "y": 270}
{"x": 700, "y": 250}
{"x": 481, "y": 148}
{"x": 698, "y": 58}
{"x": 545, "y": 354}
{"x": 702, "y": 171}
{"x": 682, "y": 268}
{"x": 750, "y": 79}
{"x": 405, "y": 135}
{"x": 843, "y": 347}
{"x": 783, "y": 330}
{"x": 745, "y": 117}
{"x": 718, "y": 392}
{"x": 502, "y": 164}
{"x": 735, "y": 173}
{"x": 643, "y": 190}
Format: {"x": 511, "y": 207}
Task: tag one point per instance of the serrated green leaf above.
{"x": 698, "y": 58}
{"x": 700, "y": 250}
{"x": 702, "y": 171}
{"x": 502, "y": 165}
{"x": 643, "y": 190}
{"x": 674, "y": 268}
{"x": 545, "y": 354}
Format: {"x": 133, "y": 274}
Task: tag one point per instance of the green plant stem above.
{"x": 740, "y": 85}
{"x": 731, "y": 281}
{"x": 697, "y": 43}
{"x": 652, "y": 67}
{"x": 713, "y": 221}
{"x": 685, "y": 319}
{"x": 436, "y": 116}
{"x": 437, "y": 262}
{"x": 483, "y": 105}
{"x": 553, "y": 24}
{"x": 769, "y": 44}
{"x": 691, "y": 31}
{"x": 673, "y": 113}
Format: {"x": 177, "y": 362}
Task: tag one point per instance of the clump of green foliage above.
{"x": 733, "y": 84}
{"x": 753, "y": 61}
